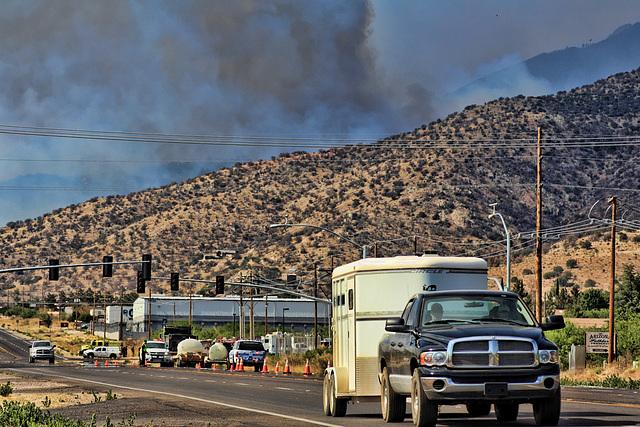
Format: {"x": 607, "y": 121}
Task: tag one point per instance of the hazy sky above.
{"x": 266, "y": 69}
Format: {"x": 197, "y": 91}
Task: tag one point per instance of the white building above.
{"x": 297, "y": 314}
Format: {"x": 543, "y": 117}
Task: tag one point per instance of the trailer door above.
{"x": 351, "y": 314}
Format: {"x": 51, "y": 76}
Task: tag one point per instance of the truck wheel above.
{"x": 478, "y": 409}
{"x": 332, "y": 406}
{"x": 257, "y": 368}
{"x": 112, "y": 356}
{"x": 393, "y": 404}
{"x": 547, "y": 411}
{"x": 31, "y": 360}
{"x": 506, "y": 411}
{"x": 52, "y": 360}
{"x": 423, "y": 411}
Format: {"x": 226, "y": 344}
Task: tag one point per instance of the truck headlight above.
{"x": 431, "y": 358}
{"x": 548, "y": 356}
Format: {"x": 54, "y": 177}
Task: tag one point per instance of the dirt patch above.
{"x": 78, "y": 401}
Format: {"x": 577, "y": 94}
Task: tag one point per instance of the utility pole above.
{"x": 315, "y": 306}
{"x": 149, "y": 324}
{"x": 614, "y": 202}
{"x": 538, "y": 228}
{"x": 120, "y": 332}
{"x": 251, "y": 330}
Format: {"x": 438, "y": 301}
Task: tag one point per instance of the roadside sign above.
{"x": 597, "y": 342}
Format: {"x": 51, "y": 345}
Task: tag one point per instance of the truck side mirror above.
{"x": 555, "y": 321}
{"x": 396, "y": 324}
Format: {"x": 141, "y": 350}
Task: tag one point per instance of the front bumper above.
{"x": 158, "y": 358}
{"x": 445, "y": 389}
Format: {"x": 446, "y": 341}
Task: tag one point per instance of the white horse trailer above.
{"x": 365, "y": 294}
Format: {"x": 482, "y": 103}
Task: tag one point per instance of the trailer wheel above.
{"x": 393, "y": 404}
{"x": 423, "y": 411}
{"x": 332, "y": 406}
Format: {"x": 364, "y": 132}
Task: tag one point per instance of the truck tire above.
{"x": 478, "y": 409}
{"x": 257, "y": 368}
{"x": 31, "y": 360}
{"x": 332, "y": 406}
{"x": 393, "y": 404}
{"x": 52, "y": 360}
{"x": 506, "y": 411}
{"x": 546, "y": 412}
{"x": 112, "y": 356}
{"x": 423, "y": 411}
{"x": 89, "y": 355}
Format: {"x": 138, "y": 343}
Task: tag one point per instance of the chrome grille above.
{"x": 492, "y": 351}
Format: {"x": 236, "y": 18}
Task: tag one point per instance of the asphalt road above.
{"x": 279, "y": 400}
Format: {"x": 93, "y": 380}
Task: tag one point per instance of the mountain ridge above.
{"x": 427, "y": 189}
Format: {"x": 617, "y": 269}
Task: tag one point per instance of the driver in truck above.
{"x": 435, "y": 312}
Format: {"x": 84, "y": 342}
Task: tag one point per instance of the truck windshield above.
{"x": 475, "y": 308}
{"x": 254, "y": 346}
{"x": 156, "y": 345}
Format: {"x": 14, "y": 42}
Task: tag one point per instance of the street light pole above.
{"x": 287, "y": 224}
{"x": 283, "y": 310}
{"x": 506, "y": 231}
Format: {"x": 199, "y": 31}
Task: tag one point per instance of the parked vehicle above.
{"x": 218, "y": 353}
{"x": 190, "y": 353}
{"x": 157, "y": 351}
{"x": 42, "y": 349}
{"x": 366, "y": 293}
{"x": 99, "y": 343}
{"x": 102, "y": 352}
{"x": 174, "y": 335}
{"x": 250, "y": 352}
{"x": 475, "y": 348}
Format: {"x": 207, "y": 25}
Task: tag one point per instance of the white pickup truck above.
{"x": 106, "y": 352}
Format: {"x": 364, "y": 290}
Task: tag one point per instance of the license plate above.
{"x": 496, "y": 389}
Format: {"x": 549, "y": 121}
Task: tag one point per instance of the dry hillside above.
{"x": 430, "y": 187}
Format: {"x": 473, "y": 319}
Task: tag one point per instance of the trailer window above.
{"x": 350, "y": 299}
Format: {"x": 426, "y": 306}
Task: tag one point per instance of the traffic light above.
{"x": 175, "y": 281}
{"x": 146, "y": 267}
{"x": 107, "y": 269}
{"x": 219, "y": 285}
{"x": 141, "y": 283}
{"x": 54, "y": 272}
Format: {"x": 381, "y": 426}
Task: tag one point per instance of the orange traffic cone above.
{"x": 329, "y": 364}
{"x": 287, "y": 370}
{"x": 116, "y": 362}
{"x": 231, "y": 367}
{"x": 241, "y": 368}
{"x": 96, "y": 363}
{"x": 307, "y": 370}
{"x": 214, "y": 367}
{"x": 198, "y": 366}
{"x": 277, "y": 371}
{"x": 145, "y": 363}
{"x": 265, "y": 369}
{"x": 106, "y": 363}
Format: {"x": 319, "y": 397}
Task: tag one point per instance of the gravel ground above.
{"x": 78, "y": 401}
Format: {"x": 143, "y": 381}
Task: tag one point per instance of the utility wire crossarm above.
{"x": 251, "y": 285}
{"x": 47, "y": 267}
{"x": 288, "y": 224}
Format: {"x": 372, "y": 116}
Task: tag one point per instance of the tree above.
{"x": 517, "y": 286}
{"x": 593, "y": 299}
{"x": 627, "y": 296}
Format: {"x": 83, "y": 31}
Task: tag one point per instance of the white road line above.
{"x": 226, "y": 405}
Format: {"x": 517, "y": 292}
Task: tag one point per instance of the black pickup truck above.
{"x": 469, "y": 347}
